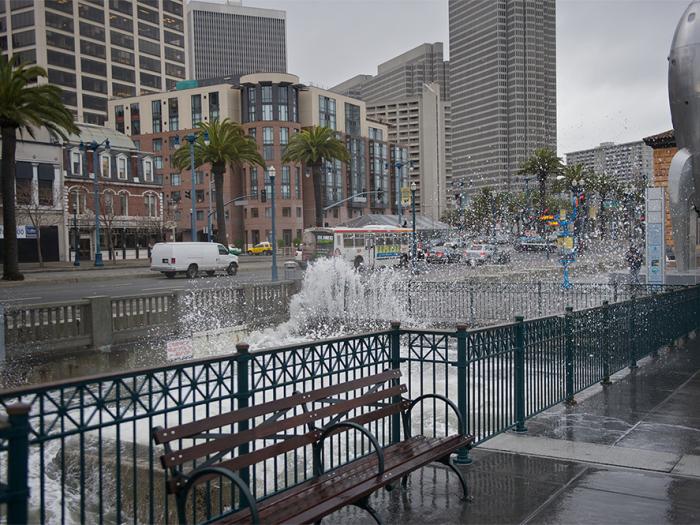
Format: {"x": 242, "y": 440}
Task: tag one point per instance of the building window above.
{"x": 156, "y": 116}
{"x": 151, "y": 206}
{"x": 253, "y": 183}
{"x": 286, "y": 212}
{"x": 108, "y": 203}
{"x": 158, "y": 162}
{"x": 105, "y": 166}
{"x": 76, "y": 158}
{"x": 297, "y": 182}
{"x": 45, "y": 176}
{"x": 157, "y": 145}
{"x": 213, "y": 106}
{"x": 326, "y": 112}
{"x": 284, "y": 136}
{"x": 251, "y": 104}
{"x": 147, "y": 170}
{"x": 253, "y": 133}
{"x": 268, "y": 144}
{"x": 175, "y": 196}
{"x": 135, "y": 120}
{"x": 119, "y": 118}
{"x": 174, "y": 179}
{"x": 200, "y": 215}
{"x": 299, "y": 212}
{"x": 199, "y": 177}
{"x": 78, "y": 201}
{"x": 123, "y": 204}
{"x": 266, "y": 102}
{"x": 286, "y": 185}
{"x": 121, "y": 168}
{"x": 173, "y": 141}
{"x": 173, "y": 114}
{"x": 196, "y": 109}
{"x": 199, "y": 195}
{"x": 352, "y": 120}
{"x": 282, "y": 103}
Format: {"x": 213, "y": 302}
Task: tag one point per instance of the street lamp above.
{"x": 271, "y": 173}
{"x": 398, "y": 165}
{"x": 413, "y": 212}
{"x": 94, "y": 146}
{"x": 191, "y": 138}
{"x": 76, "y": 235}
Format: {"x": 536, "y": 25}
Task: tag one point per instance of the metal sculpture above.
{"x": 684, "y": 98}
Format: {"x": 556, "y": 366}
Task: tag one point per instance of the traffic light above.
{"x": 263, "y": 195}
{"x": 188, "y": 195}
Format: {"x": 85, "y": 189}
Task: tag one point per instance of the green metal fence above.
{"x": 92, "y": 460}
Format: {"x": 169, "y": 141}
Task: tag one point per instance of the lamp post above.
{"x": 209, "y": 215}
{"x": 94, "y": 146}
{"x": 76, "y": 234}
{"x": 191, "y": 138}
{"x": 271, "y": 173}
{"x": 413, "y": 212}
{"x": 399, "y": 166}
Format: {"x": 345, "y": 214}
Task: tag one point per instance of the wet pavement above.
{"x": 626, "y": 453}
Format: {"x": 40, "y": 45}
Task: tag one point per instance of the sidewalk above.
{"x": 626, "y": 454}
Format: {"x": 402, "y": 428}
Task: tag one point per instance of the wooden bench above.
{"x": 205, "y": 450}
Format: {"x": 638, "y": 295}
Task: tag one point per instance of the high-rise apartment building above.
{"x": 630, "y": 162}
{"x": 98, "y": 50}
{"x": 410, "y": 93}
{"x": 502, "y": 87}
{"x": 232, "y": 40}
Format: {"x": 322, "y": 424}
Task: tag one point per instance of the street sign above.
{"x": 179, "y": 349}
{"x": 655, "y": 216}
{"x": 405, "y": 196}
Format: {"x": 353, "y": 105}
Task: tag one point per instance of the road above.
{"x": 132, "y": 281}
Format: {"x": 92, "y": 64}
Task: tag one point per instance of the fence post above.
{"x": 462, "y": 388}
{"x": 101, "y": 326}
{"x": 243, "y": 395}
{"x": 606, "y": 344}
{"x": 17, "y": 462}
{"x": 539, "y": 298}
{"x": 472, "y": 311}
{"x": 395, "y": 345}
{"x": 569, "y": 350}
{"x": 520, "y": 374}
{"x": 632, "y": 332}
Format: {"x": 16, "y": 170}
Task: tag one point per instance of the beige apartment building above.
{"x": 271, "y": 107}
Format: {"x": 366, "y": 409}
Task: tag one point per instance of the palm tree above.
{"x": 24, "y": 106}
{"x": 571, "y": 173}
{"x": 604, "y": 185}
{"x": 542, "y": 164}
{"x": 313, "y": 147}
{"x": 221, "y": 144}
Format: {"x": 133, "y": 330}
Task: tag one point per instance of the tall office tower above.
{"x": 402, "y": 76}
{"x": 232, "y": 40}
{"x": 410, "y": 93}
{"x": 502, "y": 86}
{"x": 96, "y": 52}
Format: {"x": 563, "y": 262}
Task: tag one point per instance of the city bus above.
{"x": 366, "y": 247}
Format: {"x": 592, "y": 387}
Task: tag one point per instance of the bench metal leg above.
{"x": 364, "y": 505}
{"x": 448, "y": 462}
{"x": 404, "y": 481}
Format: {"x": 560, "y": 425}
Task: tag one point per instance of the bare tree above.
{"x": 109, "y": 204}
{"x": 36, "y": 203}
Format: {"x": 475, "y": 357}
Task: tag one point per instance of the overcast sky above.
{"x": 611, "y": 55}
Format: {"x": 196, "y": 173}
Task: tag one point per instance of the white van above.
{"x": 191, "y": 258}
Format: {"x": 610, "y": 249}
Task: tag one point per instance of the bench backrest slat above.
{"x": 273, "y": 428}
{"x": 187, "y": 430}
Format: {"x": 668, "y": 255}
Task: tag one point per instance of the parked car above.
{"x": 191, "y": 258}
{"x": 485, "y": 253}
{"x": 234, "y": 250}
{"x": 534, "y": 244}
{"x": 262, "y": 248}
{"x": 442, "y": 254}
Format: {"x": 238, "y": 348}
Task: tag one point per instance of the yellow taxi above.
{"x": 262, "y": 248}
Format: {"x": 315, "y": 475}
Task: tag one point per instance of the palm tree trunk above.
{"x": 318, "y": 194}
{"x": 220, "y": 217}
{"x": 10, "y": 263}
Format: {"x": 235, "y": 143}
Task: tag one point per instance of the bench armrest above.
{"x": 406, "y": 415}
{"x": 221, "y": 471}
{"x": 318, "y": 446}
